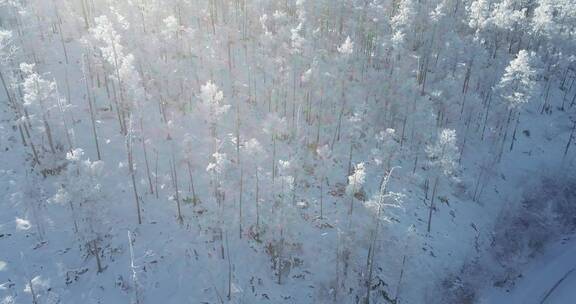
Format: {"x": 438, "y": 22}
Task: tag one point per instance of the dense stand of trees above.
{"x": 260, "y": 105}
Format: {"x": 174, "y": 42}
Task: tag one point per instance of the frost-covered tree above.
{"x": 386, "y": 148}
{"x": 325, "y": 155}
{"x": 443, "y": 160}
{"x": 38, "y": 287}
{"x": 276, "y": 127}
{"x": 383, "y": 207}
{"x": 287, "y": 179}
{"x": 355, "y": 183}
{"x": 256, "y": 153}
{"x": 212, "y": 105}
{"x": 217, "y": 168}
{"x": 40, "y": 100}
{"x": 402, "y": 23}
{"x": 127, "y": 87}
{"x": 7, "y": 51}
{"x": 128, "y": 93}
{"x": 479, "y": 11}
{"x": 517, "y": 87}
{"x": 81, "y": 190}
{"x": 190, "y": 154}
{"x": 384, "y": 76}
{"x": 518, "y": 84}
{"x": 443, "y": 155}
{"x": 509, "y": 14}
{"x": 554, "y": 21}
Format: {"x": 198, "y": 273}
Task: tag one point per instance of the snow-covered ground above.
{"x": 548, "y": 279}
{"x": 236, "y": 151}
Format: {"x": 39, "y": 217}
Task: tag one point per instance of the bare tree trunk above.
{"x": 273, "y": 158}
{"x": 32, "y": 292}
{"x": 6, "y": 90}
{"x": 133, "y": 268}
{"x": 337, "y": 284}
{"x": 49, "y": 134}
{"x": 229, "y": 269}
{"x": 32, "y": 146}
{"x": 432, "y": 204}
{"x": 85, "y": 14}
{"x": 146, "y": 158}
{"x": 400, "y": 280}
{"x": 369, "y": 267}
{"x": 349, "y": 171}
{"x": 23, "y": 128}
{"x": 339, "y": 126}
{"x": 133, "y": 174}
{"x": 257, "y": 206}
{"x": 570, "y": 139}
{"x": 279, "y": 257}
{"x": 96, "y": 252}
{"x": 174, "y": 176}
{"x": 322, "y": 197}
{"x": 514, "y": 133}
{"x": 194, "y": 197}
{"x": 92, "y": 114}
{"x": 240, "y": 203}
{"x": 156, "y": 172}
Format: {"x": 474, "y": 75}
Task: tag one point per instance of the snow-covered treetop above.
{"x": 384, "y": 202}
{"x": 114, "y": 54}
{"x": 83, "y": 179}
{"x": 218, "y": 164}
{"x": 5, "y": 37}
{"x": 91, "y": 168}
{"x": 347, "y": 48}
{"x": 479, "y": 12}
{"x": 275, "y": 125}
{"x": 5, "y": 41}
{"x": 212, "y": 98}
{"x": 324, "y": 152}
{"x": 387, "y": 146}
{"x": 406, "y": 13}
{"x": 297, "y": 41}
{"x": 386, "y": 136}
{"x": 171, "y": 26}
{"x": 75, "y": 155}
{"x": 444, "y": 154}
{"x": 36, "y": 89}
{"x": 439, "y": 12}
{"x": 555, "y": 18}
{"x": 402, "y": 21}
{"x": 131, "y": 78}
{"x": 104, "y": 32}
{"x": 253, "y": 147}
{"x": 518, "y": 82}
{"x": 122, "y": 21}
{"x": 171, "y": 23}
{"x": 505, "y": 15}
{"x": 356, "y": 179}
{"x": 285, "y": 170}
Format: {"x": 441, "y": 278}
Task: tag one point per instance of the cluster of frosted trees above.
{"x": 256, "y": 106}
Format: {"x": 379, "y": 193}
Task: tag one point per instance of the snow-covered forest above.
{"x": 287, "y": 151}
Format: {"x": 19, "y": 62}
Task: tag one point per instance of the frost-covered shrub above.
{"x": 547, "y": 212}
{"x": 356, "y": 179}
{"x": 460, "y": 291}
{"x": 462, "y": 286}
{"x": 521, "y": 232}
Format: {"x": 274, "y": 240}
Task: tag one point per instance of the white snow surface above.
{"x": 548, "y": 279}
{"x": 207, "y": 255}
